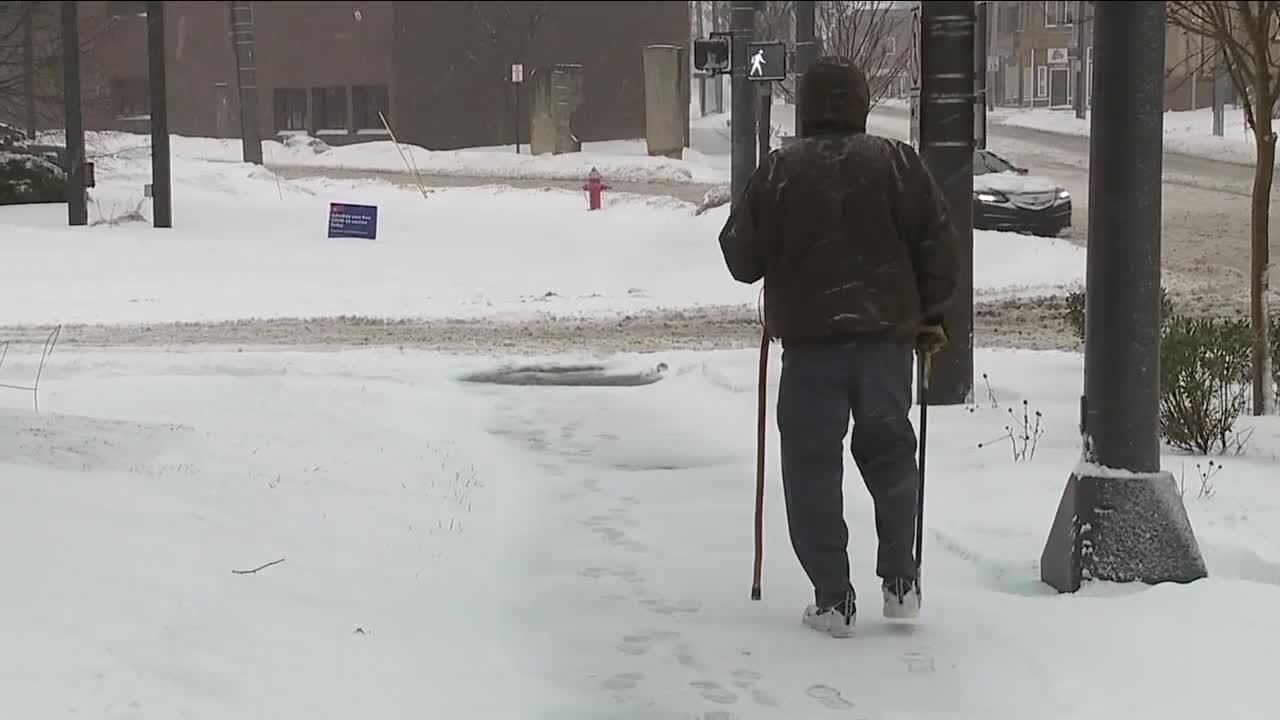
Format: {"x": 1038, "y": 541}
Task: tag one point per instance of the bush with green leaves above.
{"x": 1074, "y": 312}
{"x": 28, "y": 178}
{"x": 1204, "y": 382}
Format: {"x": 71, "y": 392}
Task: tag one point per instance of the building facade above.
{"x": 440, "y": 73}
{"x": 1034, "y": 54}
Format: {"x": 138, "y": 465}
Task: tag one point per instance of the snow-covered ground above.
{"x": 247, "y": 244}
{"x": 1187, "y": 132}
{"x": 465, "y": 551}
{"x": 272, "y": 534}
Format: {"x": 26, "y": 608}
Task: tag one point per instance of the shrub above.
{"x": 30, "y": 179}
{"x": 1275, "y": 350}
{"x": 1074, "y": 312}
{"x": 1204, "y": 382}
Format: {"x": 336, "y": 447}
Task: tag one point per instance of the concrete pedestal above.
{"x": 1120, "y": 527}
{"x": 555, "y": 92}
{"x": 666, "y": 100}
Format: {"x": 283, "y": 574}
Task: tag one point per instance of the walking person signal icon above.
{"x": 766, "y": 61}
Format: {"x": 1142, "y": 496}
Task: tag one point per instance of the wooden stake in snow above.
{"x": 408, "y": 160}
{"x": 260, "y": 567}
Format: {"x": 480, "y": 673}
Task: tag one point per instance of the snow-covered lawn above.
{"x": 475, "y": 552}
{"x": 246, "y": 244}
{"x": 1187, "y": 132}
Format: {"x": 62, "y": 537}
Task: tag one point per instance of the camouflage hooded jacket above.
{"x": 849, "y": 231}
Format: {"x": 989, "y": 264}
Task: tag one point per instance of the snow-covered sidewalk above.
{"x": 475, "y": 552}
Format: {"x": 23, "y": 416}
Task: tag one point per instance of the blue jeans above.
{"x": 821, "y": 388}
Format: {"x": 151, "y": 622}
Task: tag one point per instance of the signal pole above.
{"x": 946, "y": 146}
{"x": 161, "y": 181}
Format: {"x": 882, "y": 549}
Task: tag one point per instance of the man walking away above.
{"x": 852, "y": 237}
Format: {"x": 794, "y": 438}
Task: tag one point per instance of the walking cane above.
{"x": 761, "y": 398}
{"x": 924, "y": 363}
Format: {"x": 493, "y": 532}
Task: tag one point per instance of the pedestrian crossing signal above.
{"x": 711, "y": 57}
{"x": 766, "y": 61}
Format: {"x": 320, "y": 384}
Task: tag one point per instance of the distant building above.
{"x": 440, "y": 72}
{"x": 1033, "y": 57}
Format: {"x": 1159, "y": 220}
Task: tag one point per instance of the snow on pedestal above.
{"x": 1123, "y": 527}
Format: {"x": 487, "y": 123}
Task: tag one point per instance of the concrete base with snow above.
{"x": 1121, "y": 527}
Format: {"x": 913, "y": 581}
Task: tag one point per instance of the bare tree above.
{"x": 875, "y": 34}
{"x": 1245, "y": 33}
{"x": 31, "y": 65}
{"x": 28, "y": 59}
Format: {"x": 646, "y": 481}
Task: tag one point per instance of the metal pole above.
{"x": 742, "y": 22}
{"x": 1122, "y": 349}
{"x": 29, "y": 68}
{"x": 1121, "y": 518}
{"x": 806, "y": 35}
{"x": 702, "y": 81}
{"x": 161, "y": 184}
{"x": 946, "y": 146}
{"x": 980, "y": 74}
{"x": 1082, "y": 54}
{"x": 806, "y": 44}
{"x": 717, "y": 87}
{"x": 246, "y": 80}
{"x": 1221, "y": 83}
{"x": 77, "y": 202}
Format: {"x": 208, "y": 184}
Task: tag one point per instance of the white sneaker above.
{"x": 836, "y": 621}
{"x": 901, "y": 599}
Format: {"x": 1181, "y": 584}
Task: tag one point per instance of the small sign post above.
{"x": 353, "y": 221}
{"x": 517, "y": 79}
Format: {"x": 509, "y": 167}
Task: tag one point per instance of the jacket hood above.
{"x": 833, "y": 97}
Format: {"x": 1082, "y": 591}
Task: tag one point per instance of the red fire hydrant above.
{"x": 595, "y": 188}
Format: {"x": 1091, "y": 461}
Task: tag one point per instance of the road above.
{"x": 1205, "y": 253}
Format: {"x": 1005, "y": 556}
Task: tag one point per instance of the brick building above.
{"x": 1033, "y": 57}
{"x": 439, "y": 71}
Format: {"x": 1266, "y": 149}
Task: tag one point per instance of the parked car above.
{"x": 1008, "y": 197}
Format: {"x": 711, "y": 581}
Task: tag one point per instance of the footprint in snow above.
{"x": 714, "y": 692}
{"x": 829, "y": 697}
{"x": 623, "y": 681}
{"x": 746, "y": 680}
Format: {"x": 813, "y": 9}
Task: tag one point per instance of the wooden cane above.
{"x": 761, "y": 399}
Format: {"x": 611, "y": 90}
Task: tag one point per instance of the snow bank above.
{"x": 1188, "y": 132}
{"x": 618, "y": 161}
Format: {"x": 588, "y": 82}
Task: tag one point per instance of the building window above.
{"x": 1042, "y": 81}
{"x": 330, "y": 108}
{"x": 130, "y": 99}
{"x": 366, "y": 102}
{"x": 1009, "y": 19}
{"x": 123, "y": 9}
{"x": 291, "y": 109}
{"x": 1059, "y": 12}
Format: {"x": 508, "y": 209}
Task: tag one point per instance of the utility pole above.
{"x": 77, "y": 202}
{"x": 980, "y": 75}
{"x": 1221, "y": 87}
{"x": 1121, "y": 518}
{"x": 742, "y": 23}
{"x": 161, "y": 182}
{"x": 702, "y": 81}
{"x": 247, "y": 80}
{"x": 29, "y": 68}
{"x": 806, "y": 35}
{"x": 718, "y": 86}
{"x": 806, "y": 44}
{"x": 1082, "y": 68}
{"x": 946, "y": 146}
